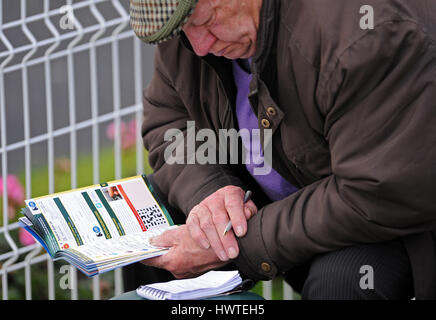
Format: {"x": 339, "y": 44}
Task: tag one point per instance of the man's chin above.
{"x": 239, "y": 54}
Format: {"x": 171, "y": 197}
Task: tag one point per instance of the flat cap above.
{"x": 155, "y": 21}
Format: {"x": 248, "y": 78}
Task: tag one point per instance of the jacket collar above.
{"x": 269, "y": 21}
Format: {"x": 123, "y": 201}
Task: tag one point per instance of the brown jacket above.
{"x": 354, "y": 126}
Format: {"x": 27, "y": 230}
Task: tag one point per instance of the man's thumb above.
{"x": 166, "y": 239}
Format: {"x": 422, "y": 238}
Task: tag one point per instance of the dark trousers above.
{"x": 376, "y": 271}
{"x": 365, "y": 272}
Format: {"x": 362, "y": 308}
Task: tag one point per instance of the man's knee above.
{"x": 330, "y": 279}
{"x": 363, "y": 272}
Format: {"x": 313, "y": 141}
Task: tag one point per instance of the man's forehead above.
{"x": 202, "y": 12}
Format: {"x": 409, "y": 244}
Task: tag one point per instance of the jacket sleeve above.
{"x": 184, "y": 183}
{"x": 379, "y": 104}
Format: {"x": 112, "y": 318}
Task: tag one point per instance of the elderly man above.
{"x": 343, "y": 93}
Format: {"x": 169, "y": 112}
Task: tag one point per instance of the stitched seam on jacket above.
{"x": 338, "y": 60}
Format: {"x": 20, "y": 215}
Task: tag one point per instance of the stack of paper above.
{"x": 209, "y": 284}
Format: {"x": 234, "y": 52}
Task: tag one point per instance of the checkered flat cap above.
{"x": 155, "y": 21}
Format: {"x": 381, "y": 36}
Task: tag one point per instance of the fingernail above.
{"x": 151, "y": 241}
{"x": 239, "y": 231}
{"x": 232, "y": 253}
{"x": 205, "y": 244}
{"x": 223, "y": 256}
{"x": 248, "y": 213}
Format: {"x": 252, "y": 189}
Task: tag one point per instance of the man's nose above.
{"x": 201, "y": 39}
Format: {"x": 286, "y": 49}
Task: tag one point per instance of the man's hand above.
{"x": 185, "y": 259}
{"x": 207, "y": 221}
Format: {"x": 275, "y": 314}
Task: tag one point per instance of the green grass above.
{"x": 85, "y": 171}
{"x": 277, "y": 289}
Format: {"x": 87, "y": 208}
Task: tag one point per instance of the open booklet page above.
{"x": 101, "y": 226}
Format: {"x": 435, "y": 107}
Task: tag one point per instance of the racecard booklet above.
{"x": 101, "y": 227}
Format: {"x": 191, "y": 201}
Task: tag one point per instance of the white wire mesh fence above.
{"x": 71, "y": 80}
{"x": 61, "y": 87}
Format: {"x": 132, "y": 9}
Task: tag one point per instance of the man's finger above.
{"x": 230, "y": 244}
{"x": 220, "y": 219}
{"x": 156, "y": 262}
{"x": 234, "y": 204}
{"x": 167, "y": 239}
{"x": 250, "y": 209}
{"x": 207, "y": 225}
{"x": 195, "y": 231}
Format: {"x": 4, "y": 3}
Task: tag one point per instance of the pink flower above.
{"x": 110, "y": 130}
{"x": 129, "y": 139}
{"x": 63, "y": 165}
{"x": 15, "y": 190}
{"x": 15, "y": 194}
{"x": 25, "y": 237}
{"x": 128, "y": 133}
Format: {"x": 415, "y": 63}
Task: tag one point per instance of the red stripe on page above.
{"x": 132, "y": 207}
